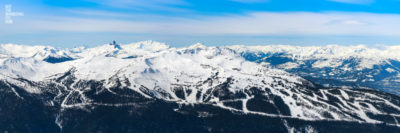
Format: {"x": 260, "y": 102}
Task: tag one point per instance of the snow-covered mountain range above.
{"x": 241, "y": 80}
{"x": 333, "y": 65}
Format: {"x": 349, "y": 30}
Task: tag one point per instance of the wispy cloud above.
{"x": 346, "y": 22}
{"x": 258, "y": 23}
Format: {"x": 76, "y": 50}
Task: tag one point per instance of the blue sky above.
{"x": 69, "y": 23}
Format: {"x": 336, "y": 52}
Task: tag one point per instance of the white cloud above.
{"x": 354, "y": 1}
{"x": 260, "y": 23}
{"x": 352, "y": 22}
{"x": 346, "y": 22}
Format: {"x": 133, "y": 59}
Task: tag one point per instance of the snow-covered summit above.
{"x": 36, "y": 52}
{"x": 104, "y": 61}
{"x": 333, "y": 65}
{"x": 304, "y": 52}
{"x": 329, "y": 51}
{"x": 150, "y": 45}
{"x": 197, "y": 46}
{"x": 113, "y": 56}
{"x": 328, "y": 56}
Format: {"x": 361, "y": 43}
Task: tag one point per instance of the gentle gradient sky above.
{"x": 69, "y": 23}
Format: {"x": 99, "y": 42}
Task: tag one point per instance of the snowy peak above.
{"x": 53, "y": 55}
{"x": 131, "y": 50}
{"x": 333, "y": 65}
{"x": 116, "y": 46}
{"x": 197, "y": 46}
{"x": 347, "y": 58}
{"x": 151, "y": 46}
{"x": 15, "y": 51}
{"x": 39, "y": 53}
{"x": 329, "y": 51}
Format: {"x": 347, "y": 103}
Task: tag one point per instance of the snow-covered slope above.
{"x": 370, "y": 56}
{"x": 120, "y": 75}
{"x": 46, "y": 53}
{"x": 333, "y": 65}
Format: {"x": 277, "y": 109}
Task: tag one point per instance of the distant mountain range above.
{"x": 334, "y": 66}
{"x": 152, "y": 87}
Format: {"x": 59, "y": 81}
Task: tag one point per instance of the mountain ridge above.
{"x": 220, "y": 78}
